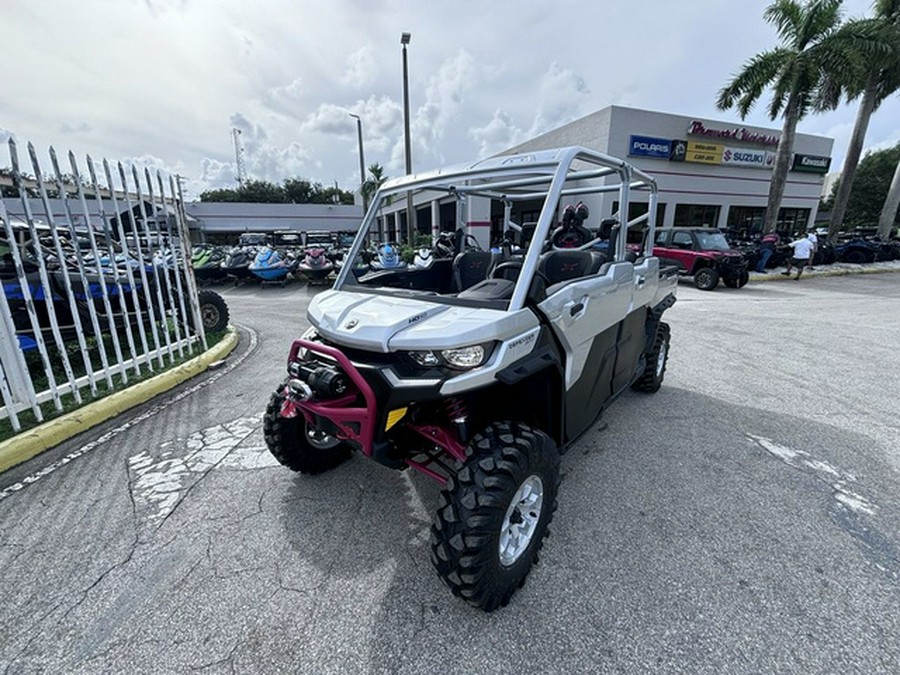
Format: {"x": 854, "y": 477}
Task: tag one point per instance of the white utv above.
{"x": 479, "y": 370}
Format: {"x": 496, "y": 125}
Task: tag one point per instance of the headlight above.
{"x": 464, "y": 357}
{"x": 459, "y": 358}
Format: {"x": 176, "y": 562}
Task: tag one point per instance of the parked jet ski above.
{"x": 315, "y": 266}
{"x": 207, "y": 264}
{"x": 388, "y": 257}
{"x": 236, "y": 264}
{"x": 270, "y": 265}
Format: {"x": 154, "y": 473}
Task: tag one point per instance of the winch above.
{"x": 315, "y": 379}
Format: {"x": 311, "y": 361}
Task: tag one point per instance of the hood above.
{"x": 367, "y": 321}
{"x": 389, "y": 323}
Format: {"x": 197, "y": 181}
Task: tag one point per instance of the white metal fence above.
{"x": 97, "y": 283}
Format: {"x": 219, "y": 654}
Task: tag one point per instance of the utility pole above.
{"x": 362, "y": 164}
{"x": 410, "y": 213}
{"x": 239, "y": 156}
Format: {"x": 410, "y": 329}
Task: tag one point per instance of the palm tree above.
{"x": 879, "y": 79}
{"x": 891, "y": 203}
{"x": 815, "y": 47}
{"x": 373, "y": 182}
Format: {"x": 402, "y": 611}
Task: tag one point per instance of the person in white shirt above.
{"x": 803, "y": 249}
{"x": 811, "y": 235}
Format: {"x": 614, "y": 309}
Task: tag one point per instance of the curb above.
{"x": 843, "y": 272}
{"x": 31, "y": 443}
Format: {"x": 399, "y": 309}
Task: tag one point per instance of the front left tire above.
{"x": 494, "y": 514}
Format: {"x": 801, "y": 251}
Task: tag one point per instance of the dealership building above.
{"x": 710, "y": 172}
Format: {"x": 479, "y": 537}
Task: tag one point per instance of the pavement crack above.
{"x": 228, "y": 660}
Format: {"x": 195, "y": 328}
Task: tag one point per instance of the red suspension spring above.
{"x": 456, "y": 408}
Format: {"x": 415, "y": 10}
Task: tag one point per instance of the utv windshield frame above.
{"x": 548, "y": 174}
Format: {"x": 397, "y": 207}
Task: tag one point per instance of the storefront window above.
{"x": 746, "y": 222}
{"x": 635, "y": 210}
{"x": 696, "y": 215}
{"x": 792, "y": 221}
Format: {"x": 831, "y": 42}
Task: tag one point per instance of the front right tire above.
{"x": 298, "y": 447}
{"x": 494, "y": 513}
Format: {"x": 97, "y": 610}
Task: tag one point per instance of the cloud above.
{"x": 563, "y": 96}
{"x": 497, "y": 135}
{"x": 287, "y": 99}
{"x": 265, "y": 160}
{"x": 329, "y": 119}
{"x": 360, "y": 70}
{"x": 81, "y": 127}
{"x": 215, "y": 174}
{"x": 444, "y": 99}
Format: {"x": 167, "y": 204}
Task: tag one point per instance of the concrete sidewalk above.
{"x": 32, "y": 442}
{"x": 837, "y": 269}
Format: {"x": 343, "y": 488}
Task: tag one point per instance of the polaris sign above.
{"x": 647, "y": 146}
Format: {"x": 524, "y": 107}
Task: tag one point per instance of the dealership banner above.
{"x": 761, "y": 159}
{"x": 811, "y": 163}
{"x": 647, "y": 146}
{"x": 679, "y": 150}
{"x": 704, "y": 153}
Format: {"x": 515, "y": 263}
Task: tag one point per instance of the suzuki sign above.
{"x": 760, "y": 159}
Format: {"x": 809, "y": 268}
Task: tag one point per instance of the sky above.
{"x": 162, "y": 83}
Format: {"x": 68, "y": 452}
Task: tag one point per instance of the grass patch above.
{"x": 27, "y": 419}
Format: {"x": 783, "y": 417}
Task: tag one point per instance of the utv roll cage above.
{"x": 552, "y": 175}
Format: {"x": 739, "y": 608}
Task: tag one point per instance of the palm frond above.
{"x": 787, "y": 15}
{"x": 757, "y": 74}
{"x": 820, "y": 19}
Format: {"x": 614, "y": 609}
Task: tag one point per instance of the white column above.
{"x": 435, "y": 219}
{"x": 478, "y": 220}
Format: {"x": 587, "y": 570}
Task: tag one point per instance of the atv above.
{"x": 481, "y": 384}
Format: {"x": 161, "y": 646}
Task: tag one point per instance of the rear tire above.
{"x": 213, "y": 311}
{"x": 655, "y": 370}
{"x": 493, "y": 514}
{"x": 296, "y": 446}
{"x": 706, "y": 279}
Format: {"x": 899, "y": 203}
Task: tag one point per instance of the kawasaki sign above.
{"x": 811, "y": 163}
{"x": 647, "y": 146}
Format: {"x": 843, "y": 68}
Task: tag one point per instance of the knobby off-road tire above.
{"x": 493, "y": 514}
{"x": 706, "y": 279}
{"x": 295, "y": 446}
{"x": 655, "y": 370}
{"x": 213, "y": 311}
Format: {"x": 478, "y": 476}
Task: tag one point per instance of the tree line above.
{"x": 295, "y": 191}
{"x": 290, "y": 191}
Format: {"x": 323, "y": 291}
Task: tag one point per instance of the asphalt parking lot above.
{"x": 743, "y": 519}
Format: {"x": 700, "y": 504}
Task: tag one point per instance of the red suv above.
{"x": 702, "y": 253}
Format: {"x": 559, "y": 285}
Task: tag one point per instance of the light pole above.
{"x": 362, "y": 163}
{"x": 410, "y": 224}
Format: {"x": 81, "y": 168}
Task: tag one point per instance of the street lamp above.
{"x": 362, "y": 163}
{"x": 410, "y": 225}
